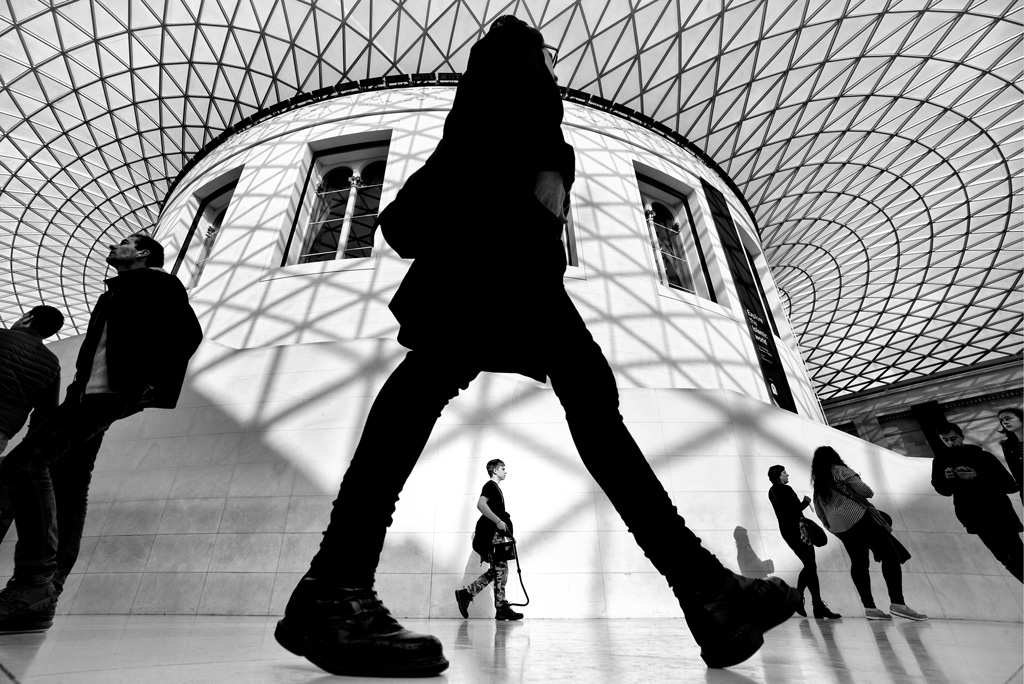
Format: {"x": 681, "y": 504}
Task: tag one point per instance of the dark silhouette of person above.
{"x": 841, "y": 502}
{"x": 141, "y": 335}
{"x": 485, "y": 293}
{"x": 494, "y": 524}
{"x": 789, "y": 510}
{"x": 29, "y": 382}
{"x": 979, "y": 485}
{"x": 1012, "y": 422}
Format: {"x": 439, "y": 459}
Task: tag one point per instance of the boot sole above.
{"x": 750, "y": 638}
{"x": 301, "y": 645}
{"x": 25, "y": 624}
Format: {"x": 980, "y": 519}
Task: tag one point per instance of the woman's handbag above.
{"x": 811, "y": 533}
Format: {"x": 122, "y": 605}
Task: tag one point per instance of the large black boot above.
{"x": 729, "y": 620}
{"x": 350, "y": 632}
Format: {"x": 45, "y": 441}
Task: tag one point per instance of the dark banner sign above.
{"x": 750, "y": 301}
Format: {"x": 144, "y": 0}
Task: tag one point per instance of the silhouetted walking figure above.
{"x": 841, "y": 502}
{"x": 789, "y": 510}
{"x": 485, "y": 293}
{"x": 979, "y": 485}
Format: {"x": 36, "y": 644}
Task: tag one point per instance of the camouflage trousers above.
{"x": 497, "y": 573}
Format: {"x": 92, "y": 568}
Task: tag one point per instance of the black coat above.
{"x": 487, "y": 277}
{"x": 29, "y": 380}
{"x": 152, "y": 333}
{"x": 981, "y": 504}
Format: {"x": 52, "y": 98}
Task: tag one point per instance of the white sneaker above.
{"x": 905, "y": 611}
{"x": 876, "y": 614}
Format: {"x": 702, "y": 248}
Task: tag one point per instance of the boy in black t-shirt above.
{"x": 494, "y": 523}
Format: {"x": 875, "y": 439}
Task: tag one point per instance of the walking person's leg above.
{"x": 334, "y": 617}
{"x": 881, "y": 543}
{"x": 727, "y": 614}
{"x": 857, "y": 549}
{"x": 809, "y": 576}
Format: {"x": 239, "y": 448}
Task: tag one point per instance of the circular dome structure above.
{"x": 273, "y": 231}
{"x": 877, "y": 143}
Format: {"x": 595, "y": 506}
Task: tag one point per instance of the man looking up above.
{"x": 141, "y": 335}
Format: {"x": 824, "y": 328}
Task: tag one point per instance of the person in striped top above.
{"x": 841, "y": 502}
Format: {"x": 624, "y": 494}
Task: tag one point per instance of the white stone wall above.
{"x": 654, "y": 336}
{"x": 216, "y": 507}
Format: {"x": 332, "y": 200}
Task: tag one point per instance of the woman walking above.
{"x": 789, "y": 510}
{"x": 841, "y": 502}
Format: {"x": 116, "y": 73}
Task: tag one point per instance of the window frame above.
{"x": 326, "y": 158}
{"x": 224, "y": 191}
{"x": 677, "y": 201}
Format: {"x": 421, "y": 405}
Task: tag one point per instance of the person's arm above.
{"x": 857, "y": 485}
{"x": 486, "y": 511}
{"x": 45, "y": 403}
{"x": 941, "y": 480}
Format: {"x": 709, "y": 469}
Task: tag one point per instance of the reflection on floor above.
{"x": 175, "y": 649}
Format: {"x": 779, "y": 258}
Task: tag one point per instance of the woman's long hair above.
{"x": 822, "y": 481}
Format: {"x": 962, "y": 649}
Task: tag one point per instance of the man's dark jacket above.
{"x": 152, "y": 333}
{"x": 981, "y": 504}
{"x": 486, "y": 283}
{"x": 29, "y": 379}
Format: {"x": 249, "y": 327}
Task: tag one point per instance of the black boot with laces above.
{"x": 348, "y": 631}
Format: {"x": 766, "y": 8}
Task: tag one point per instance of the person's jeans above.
{"x": 47, "y": 480}
{"x": 867, "y": 536}
{"x": 403, "y": 415}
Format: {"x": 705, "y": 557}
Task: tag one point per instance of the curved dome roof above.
{"x": 878, "y": 143}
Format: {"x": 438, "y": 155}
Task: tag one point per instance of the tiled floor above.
{"x": 196, "y": 650}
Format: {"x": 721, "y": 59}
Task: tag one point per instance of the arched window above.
{"x": 328, "y": 219}
{"x": 211, "y": 237}
{"x": 345, "y": 203}
{"x": 197, "y": 247}
{"x": 674, "y": 270}
{"x": 678, "y": 255}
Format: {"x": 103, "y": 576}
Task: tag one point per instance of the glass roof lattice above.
{"x": 878, "y": 142}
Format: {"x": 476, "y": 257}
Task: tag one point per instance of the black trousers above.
{"x": 865, "y": 536}
{"x": 1008, "y": 549}
{"x": 808, "y": 578}
{"x": 403, "y": 415}
{"x": 47, "y": 480}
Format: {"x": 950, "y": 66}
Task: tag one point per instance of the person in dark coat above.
{"x": 29, "y": 372}
{"x": 1012, "y": 422}
{"x": 979, "y": 485}
{"x": 141, "y": 335}
{"x": 29, "y": 382}
{"x": 789, "y": 510}
{"x": 485, "y": 293}
{"x": 494, "y": 525}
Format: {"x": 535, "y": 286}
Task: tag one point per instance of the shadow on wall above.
{"x": 217, "y": 506}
